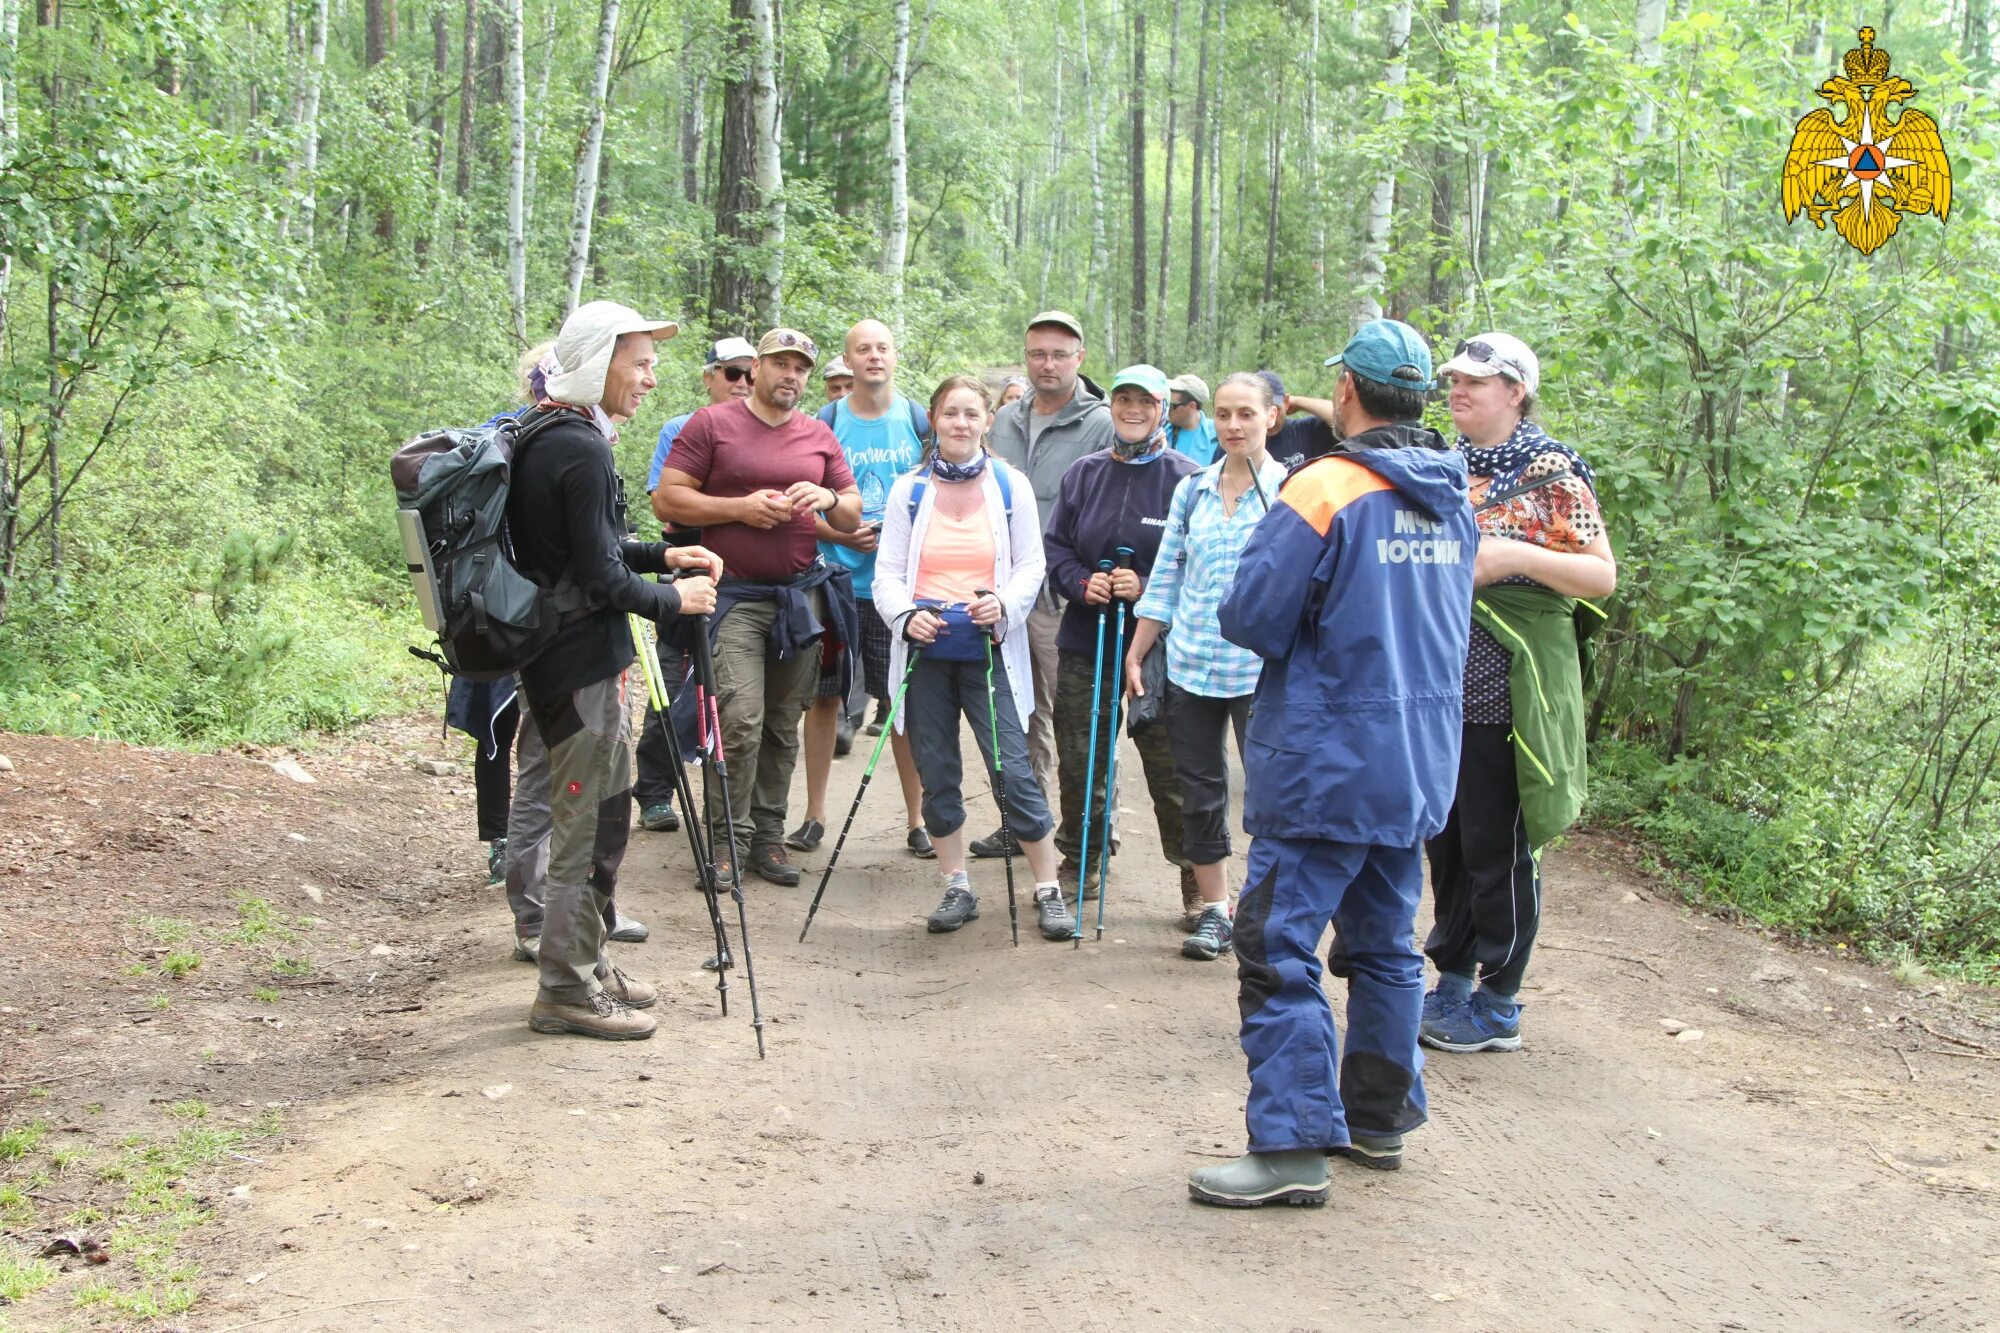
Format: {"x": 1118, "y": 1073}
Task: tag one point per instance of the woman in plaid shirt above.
{"x": 1209, "y": 679}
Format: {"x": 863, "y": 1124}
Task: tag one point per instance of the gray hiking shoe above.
{"x": 1053, "y": 915}
{"x": 659, "y": 817}
{"x": 527, "y": 948}
{"x": 1213, "y": 936}
{"x": 1258, "y": 1178}
{"x": 599, "y": 1016}
{"x": 1377, "y": 1152}
{"x": 958, "y": 907}
{"x": 627, "y": 931}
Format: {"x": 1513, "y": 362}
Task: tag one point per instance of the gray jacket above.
{"x": 1082, "y": 426}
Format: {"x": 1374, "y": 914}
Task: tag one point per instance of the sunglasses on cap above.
{"x": 800, "y": 341}
{"x": 1486, "y": 354}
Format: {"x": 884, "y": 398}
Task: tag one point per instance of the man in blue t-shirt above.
{"x": 1189, "y": 429}
{"x": 725, "y": 376}
{"x": 882, "y": 434}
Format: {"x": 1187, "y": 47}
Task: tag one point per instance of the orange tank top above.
{"x": 957, "y": 559}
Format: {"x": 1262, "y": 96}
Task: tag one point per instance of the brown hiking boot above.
{"x": 1191, "y": 903}
{"x": 629, "y": 991}
{"x": 599, "y": 1016}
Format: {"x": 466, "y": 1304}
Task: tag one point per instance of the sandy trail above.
{"x": 951, "y": 1133}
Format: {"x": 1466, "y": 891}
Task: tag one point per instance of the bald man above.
{"x": 882, "y": 435}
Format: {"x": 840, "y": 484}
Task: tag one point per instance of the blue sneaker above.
{"x": 1436, "y": 1002}
{"x": 1476, "y": 1025}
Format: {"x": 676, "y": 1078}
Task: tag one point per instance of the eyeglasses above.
{"x": 734, "y": 374}
{"x": 1486, "y": 354}
{"x": 1179, "y": 403}
{"x": 1042, "y": 356}
{"x": 800, "y": 341}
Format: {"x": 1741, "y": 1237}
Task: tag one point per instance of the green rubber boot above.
{"x": 1258, "y": 1178}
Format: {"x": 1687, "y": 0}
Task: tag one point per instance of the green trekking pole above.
{"x": 867, "y": 775}
{"x": 1000, "y": 779}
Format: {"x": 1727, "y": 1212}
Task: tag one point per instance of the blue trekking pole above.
{"x": 1090, "y": 768}
{"x": 1111, "y": 767}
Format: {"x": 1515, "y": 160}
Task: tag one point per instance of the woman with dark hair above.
{"x": 1542, "y": 548}
{"x": 1209, "y": 680}
{"x": 957, "y": 572}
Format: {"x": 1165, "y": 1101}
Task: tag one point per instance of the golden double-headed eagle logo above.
{"x": 1864, "y": 169}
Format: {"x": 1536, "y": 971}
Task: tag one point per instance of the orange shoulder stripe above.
{"x": 1319, "y": 492}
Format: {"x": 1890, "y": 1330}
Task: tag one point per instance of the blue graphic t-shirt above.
{"x": 877, "y": 452}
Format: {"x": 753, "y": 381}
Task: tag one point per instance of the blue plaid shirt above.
{"x": 1196, "y": 565}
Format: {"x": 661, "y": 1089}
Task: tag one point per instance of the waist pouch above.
{"x": 959, "y": 640}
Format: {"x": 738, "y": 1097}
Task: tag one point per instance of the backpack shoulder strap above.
{"x": 917, "y": 492}
{"x": 1003, "y": 475}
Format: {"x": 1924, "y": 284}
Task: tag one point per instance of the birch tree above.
{"x": 1095, "y": 280}
{"x": 1648, "y": 20}
{"x": 896, "y": 252}
{"x": 516, "y": 80}
{"x": 1167, "y": 182}
{"x": 1197, "y": 183}
{"x": 300, "y": 174}
{"x": 541, "y": 105}
{"x": 1382, "y": 202}
{"x": 1137, "y": 171}
{"x": 1211, "y": 316}
{"x": 749, "y": 203}
{"x": 468, "y": 57}
{"x": 583, "y": 206}
{"x": 1479, "y": 195}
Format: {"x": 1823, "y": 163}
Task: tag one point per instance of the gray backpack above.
{"x": 451, "y": 491}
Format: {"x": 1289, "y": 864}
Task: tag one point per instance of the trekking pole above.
{"x": 710, "y": 715}
{"x": 867, "y": 774}
{"x": 656, "y": 691}
{"x": 1090, "y": 768}
{"x": 1000, "y": 779}
{"x": 1111, "y": 767}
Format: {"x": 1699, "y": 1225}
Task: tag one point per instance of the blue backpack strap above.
{"x": 917, "y": 492}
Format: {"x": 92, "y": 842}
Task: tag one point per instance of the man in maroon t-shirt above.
{"x": 751, "y": 474}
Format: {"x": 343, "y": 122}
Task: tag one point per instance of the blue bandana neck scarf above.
{"x": 945, "y": 470}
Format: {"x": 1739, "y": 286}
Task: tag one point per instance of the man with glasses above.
{"x": 725, "y": 376}
{"x": 751, "y": 475}
{"x": 1189, "y": 430}
{"x": 1039, "y": 435}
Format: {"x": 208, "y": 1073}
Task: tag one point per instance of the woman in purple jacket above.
{"x": 1116, "y": 498}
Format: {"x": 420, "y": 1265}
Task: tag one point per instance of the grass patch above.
{"x": 179, "y": 963}
{"x": 291, "y": 967}
{"x": 191, "y": 1109}
{"x": 159, "y": 1002}
{"x": 267, "y": 994}
{"x": 21, "y": 1140}
{"x": 21, "y": 1276}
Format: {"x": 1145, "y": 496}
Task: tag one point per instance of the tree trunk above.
{"x": 1315, "y": 206}
{"x": 1167, "y": 184}
{"x": 749, "y": 206}
{"x": 1382, "y": 203}
{"x": 897, "y": 250}
{"x": 1211, "y": 316}
{"x": 694, "y": 122}
{"x": 1436, "y": 295}
{"x": 441, "y": 67}
{"x": 1198, "y": 183}
{"x": 517, "y": 172}
{"x": 1095, "y": 279}
{"x": 1480, "y": 194}
{"x": 305, "y": 166}
{"x": 1271, "y": 225}
{"x": 379, "y": 40}
{"x": 1648, "y": 19}
{"x": 467, "y": 63}
{"x": 541, "y": 105}
{"x": 583, "y": 207}
{"x": 1137, "y": 350}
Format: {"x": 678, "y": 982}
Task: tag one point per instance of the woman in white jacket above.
{"x": 960, "y": 560}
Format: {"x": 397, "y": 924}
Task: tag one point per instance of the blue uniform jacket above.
{"x": 1356, "y": 590}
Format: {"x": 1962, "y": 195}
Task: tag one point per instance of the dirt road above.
{"x": 954, "y": 1134}
{"x": 951, "y": 1133}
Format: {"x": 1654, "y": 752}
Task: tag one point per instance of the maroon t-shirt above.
{"x": 729, "y": 451}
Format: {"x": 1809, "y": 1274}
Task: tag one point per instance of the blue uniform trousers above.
{"x": 1296, "y": 887}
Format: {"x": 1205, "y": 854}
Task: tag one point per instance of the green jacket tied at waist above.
{"x": 1538, "y": 629}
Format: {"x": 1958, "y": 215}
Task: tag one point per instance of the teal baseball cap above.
{"x": 1149, "y": 378}
{"x": 1382, "y": 348}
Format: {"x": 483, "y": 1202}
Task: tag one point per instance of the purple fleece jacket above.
{"x": 1105, "y": 504}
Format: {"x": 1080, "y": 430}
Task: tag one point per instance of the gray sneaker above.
{"x": 627, "y": 931}
{"x": 527, "y": 948}
{"x": 958, "y": 907}
{"x": 1213, "y": 936}
{"x": 1053, "y": 915}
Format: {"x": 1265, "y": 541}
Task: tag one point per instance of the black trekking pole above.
{"x": 867, "y": 775}
{"x": 1000, "y": 777}
{"x": 710, "y": 730}
{"x": 656, "y": 689}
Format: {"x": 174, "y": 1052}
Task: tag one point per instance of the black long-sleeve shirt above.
{"x": 566, "y": 516}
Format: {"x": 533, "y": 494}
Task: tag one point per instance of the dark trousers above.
{"x": 656, "y": 766}
{"x": 1483, "y": 873}
{"x": 1198, "y": 730}
{"x": 942, "y": 692}
{"x": 493, "y": 779}
{"x": 1072, "y": 717}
